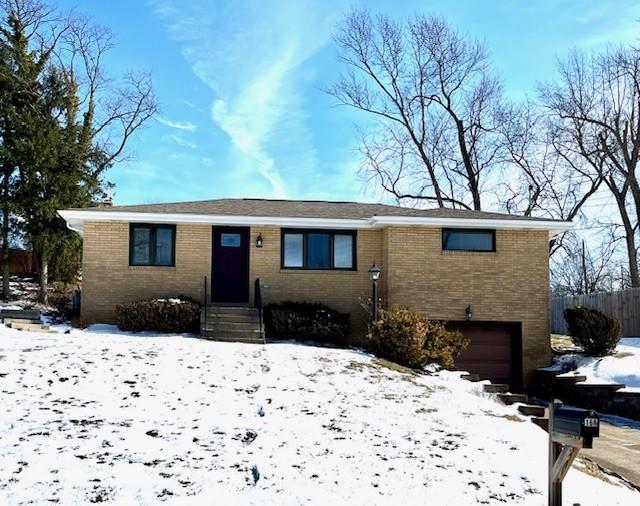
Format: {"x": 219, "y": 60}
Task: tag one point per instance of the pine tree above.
{"x": 53, "y": 152}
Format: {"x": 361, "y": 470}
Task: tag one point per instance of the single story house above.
{"x": 485, "y": 273}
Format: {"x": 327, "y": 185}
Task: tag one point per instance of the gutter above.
{"x": 75, "y": 221}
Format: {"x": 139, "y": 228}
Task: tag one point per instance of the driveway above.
{"x": 618, "y": 448}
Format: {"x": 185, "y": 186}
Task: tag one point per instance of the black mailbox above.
{"x": 576, "y": 422}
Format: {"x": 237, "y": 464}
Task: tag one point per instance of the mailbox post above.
{"x": 570, "y": 429}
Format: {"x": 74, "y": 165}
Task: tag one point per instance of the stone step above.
{"x": 32, "y": 327}
{"x": 27, "y": 314}
{"x": 227, "y": 326}
{"x": 471, "y": 377}
{"x": 509, "y": 399}
{"x": 495, "y": 388}
{"x": 569, "y": 380}
{"x": 232, "y": 318}
{"x": 33, "y": 321}
{"x": 541, "y": 422}
{"x": 231, "y": 310}
{"x": 609, "y": 388}
{"x": 529, "y": 410}
{"x": 254, "y": 338}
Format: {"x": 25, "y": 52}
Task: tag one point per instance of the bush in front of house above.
{"x": 404, "y": 337}
{"x": 181, "y": 314}
{"x": 306, "y": 321}
{"x": 595, "y": 332}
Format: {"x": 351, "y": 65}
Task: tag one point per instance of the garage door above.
{"x": 493, "y": 351}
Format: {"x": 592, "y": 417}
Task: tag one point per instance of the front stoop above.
{"x": 232, "y": 324}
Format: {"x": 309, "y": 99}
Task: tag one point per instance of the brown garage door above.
{"x": 493, "y": 351}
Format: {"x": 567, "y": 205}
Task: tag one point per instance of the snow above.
{"x": 621, "y": 367}
{"x": 104, "y": 415}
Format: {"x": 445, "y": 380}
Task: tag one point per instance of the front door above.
{"x": 230, "y": 276}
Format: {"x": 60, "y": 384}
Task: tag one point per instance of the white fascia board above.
{"x": 554, "y": 227}
{"x": 75, "y": 218}
{"x": 75, "y": 221}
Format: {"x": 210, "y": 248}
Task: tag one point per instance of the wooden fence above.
{"x": 624, "y": 305}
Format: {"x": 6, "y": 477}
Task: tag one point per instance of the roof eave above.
{"x": 75, "y": 221}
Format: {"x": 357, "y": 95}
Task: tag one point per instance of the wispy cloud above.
{"x": 178, "y": 125}
{"x": 180, "y": 141}
{"x": 254, "y": 68}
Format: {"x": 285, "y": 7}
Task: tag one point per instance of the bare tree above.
{"x": 578, "y": 269}
{"x": 551, "y": 181}
{"x": 435, "y": 99}
{"x": 596, "y": 106}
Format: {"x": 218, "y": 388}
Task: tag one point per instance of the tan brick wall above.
{"x": 511, "y": 284}
{"x": 341, "y": 290}
{"x": 508, "y": 285}
{"x": 109, "y": 280}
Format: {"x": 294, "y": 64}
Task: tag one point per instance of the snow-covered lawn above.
{"x": 621, "y": 367}
{"x": 102, "y": 416}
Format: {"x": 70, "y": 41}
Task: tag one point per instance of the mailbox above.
{"x": 576, "y": 422}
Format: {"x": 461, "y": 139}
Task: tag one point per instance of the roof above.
{"x": 300, "y": 213}
{"x": 304, "y": 209}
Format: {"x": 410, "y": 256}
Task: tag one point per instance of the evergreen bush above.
{"x": 595, "y": 332}
{"x": 406, "y": 338}
{"x": 181, "y": 314}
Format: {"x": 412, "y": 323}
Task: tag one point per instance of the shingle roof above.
{"x": 305, "y": 209}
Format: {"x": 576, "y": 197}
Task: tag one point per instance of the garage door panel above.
{"x": 490, "y": 353}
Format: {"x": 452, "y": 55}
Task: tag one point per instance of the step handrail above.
{"x": 257, "y": 300}
{"x": 205, "y": 303}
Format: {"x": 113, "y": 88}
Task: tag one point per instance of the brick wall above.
{"x": 511, "y": 284}
{"x": 107, "y": 278}
{"x": 341, "y": 290}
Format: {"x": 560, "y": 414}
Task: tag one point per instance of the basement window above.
{"x": 319, "y": 249}
{"x": 455, "y": 239}
{"x": 152, "y": 245}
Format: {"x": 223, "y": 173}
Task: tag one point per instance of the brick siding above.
{"x": 511, "y": 284}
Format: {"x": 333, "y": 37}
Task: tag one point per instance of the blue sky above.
{"x": 240, "y": 84}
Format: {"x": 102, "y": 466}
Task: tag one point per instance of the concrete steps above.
{"x": 510, "y": 399}
{"x": 232, "y": 324}
{"x": 496, "y": 388}
{"x": 501, "y": 392}
{"x": 26, "y": 320}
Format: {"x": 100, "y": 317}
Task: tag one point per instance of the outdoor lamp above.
{"x": 374, "y": 276}
{"x": 259, "y": 241}
{"x": 468, "y": 312}
{"x": 374, "y": 272}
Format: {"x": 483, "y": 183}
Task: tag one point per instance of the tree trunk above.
{"x": 44, "y": 278}
{"x": 4, "y": 253}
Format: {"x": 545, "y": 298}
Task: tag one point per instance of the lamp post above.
{"x": 374, "y": 276}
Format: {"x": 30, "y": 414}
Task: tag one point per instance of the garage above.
{"x": 494, "y": 351}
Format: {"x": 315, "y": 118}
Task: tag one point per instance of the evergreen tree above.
{"x": 54, "y": 151}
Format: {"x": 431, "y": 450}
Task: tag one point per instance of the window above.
{"x": 230, "y": 240}
{"x": 318, "y": 249}
{"x": 152, "y": 245}
{"x": 468, "y": 240}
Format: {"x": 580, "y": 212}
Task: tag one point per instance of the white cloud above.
{"x": 180, "y": 141}
{"x": 251, "y": 56}
{"x": 178, "y": 125}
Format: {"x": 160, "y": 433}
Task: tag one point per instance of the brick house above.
{"x": 438, "y": 262}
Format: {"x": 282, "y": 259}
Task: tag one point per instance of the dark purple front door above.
{"x": 230, "y": 276}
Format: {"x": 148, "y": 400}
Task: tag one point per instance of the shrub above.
{"x": 595, "y": 332}
{"x": 181, "y": 314}
{"x": 305, "y": 321}
{"x": 406, "y": 338}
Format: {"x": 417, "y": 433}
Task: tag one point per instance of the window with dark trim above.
{"x": 457, "y": 239}
{"x": 318, "y": 249}
{"x": 151, "y": 244}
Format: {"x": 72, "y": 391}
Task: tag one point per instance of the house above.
{"x": 485, "y": 273}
